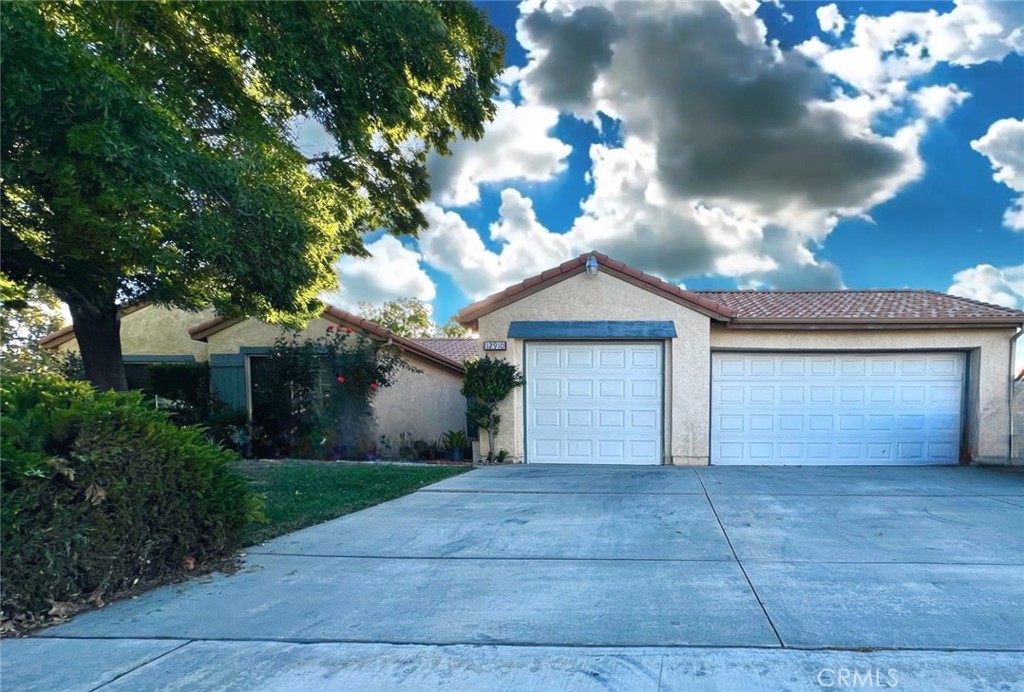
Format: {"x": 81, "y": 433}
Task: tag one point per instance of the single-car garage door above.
{"x": 594, "y": 403}
{"x": 841, "y": 408}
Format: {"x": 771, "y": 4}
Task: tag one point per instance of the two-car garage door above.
{"x": 842, "y": 408}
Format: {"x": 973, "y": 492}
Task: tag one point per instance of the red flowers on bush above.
{"x": 374, "y": 387}
{"x": 341, "y": 380}
{"x": 330, "y": 329}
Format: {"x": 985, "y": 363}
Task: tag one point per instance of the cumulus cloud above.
{"x": 830, "y": 19}
{"x": 517, "y": 146}
{"x": 937, "y": 101}
{"x": 736, "y": 157}
{"x": 907, "y": 44}
{"x": 391, "y": 271}
{"x": 526, "y": 247}
{"x": 999, "y": 286}
{"x": 1003, "y": 146}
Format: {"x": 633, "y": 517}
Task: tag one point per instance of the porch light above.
{"x": 591, "y": 266}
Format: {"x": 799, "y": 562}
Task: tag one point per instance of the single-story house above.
{"x": 622, "y": 367}
{"x": 419, "y": 406}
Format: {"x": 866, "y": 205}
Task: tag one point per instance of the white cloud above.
{"x": 392, "y": 271}
{"x": 517, "y": 145}
{"x": 1003, "y": 146}
{"x": 830, "y": 19}
{"x": 903, "y": 45}
{"x": 526, "y": 247}
{"x": 737, "y": 157}
{"x": 998, "y": 286}
{"x": 938, "y": 101}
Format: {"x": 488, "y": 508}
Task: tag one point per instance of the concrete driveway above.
{"x": 533, "y": 577}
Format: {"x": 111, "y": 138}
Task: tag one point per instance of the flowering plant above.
{"x": 319, "y": 396}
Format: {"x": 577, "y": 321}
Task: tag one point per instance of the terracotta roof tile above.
{"x": 339, "y": 316}
{"x": 459, "y": 350}
{"x": 858, "y": 305}
{"x": 773, "y": 306}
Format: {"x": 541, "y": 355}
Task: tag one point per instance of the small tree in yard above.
{"x": 488, "y": 382}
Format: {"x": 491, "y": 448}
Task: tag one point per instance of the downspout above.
{"x": 1013, "y": 377}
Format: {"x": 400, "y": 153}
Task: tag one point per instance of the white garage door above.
{"x": 844, "y": 408}
{"x": 593, "y": 403}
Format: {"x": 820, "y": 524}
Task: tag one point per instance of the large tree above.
{"x": 150, "y": 150}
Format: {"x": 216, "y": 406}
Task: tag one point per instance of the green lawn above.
{"x": 300, "y": 494}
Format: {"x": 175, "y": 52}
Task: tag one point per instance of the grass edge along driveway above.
{"x": 300, "y": 494}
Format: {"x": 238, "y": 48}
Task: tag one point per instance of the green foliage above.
{"x": 311, "y": 397}
{"x": 182, "y": 390}
{"x": 454, "y": 439}
{"x": 410, "y": 317}
{"x": 101, "y": 491}
{"x": 453, "y": 329}
{"x": 28, "y": 315}
{"x": 488, "y": 382}
{"x": 151, "y": 150}
{"x": 455, "y": 443}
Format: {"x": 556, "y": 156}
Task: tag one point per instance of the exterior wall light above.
{"x": 591, "y": 266}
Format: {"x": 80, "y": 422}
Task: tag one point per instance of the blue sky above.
{"x": 780, "y": 145}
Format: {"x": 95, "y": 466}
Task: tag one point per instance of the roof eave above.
{"x": 469, "y": 316}
{"x": 877, "y": 323}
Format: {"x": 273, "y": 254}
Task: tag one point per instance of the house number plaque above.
{"x": 495, "y": 345}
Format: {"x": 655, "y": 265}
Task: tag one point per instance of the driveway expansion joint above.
{"x": 140, "y": 665}
{"x": 739, "y": 563}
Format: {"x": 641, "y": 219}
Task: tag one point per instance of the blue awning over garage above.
{"x": 602, "y": 329}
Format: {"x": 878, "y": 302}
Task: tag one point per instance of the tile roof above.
{"x": 902, "y": 305}
{"x": 339, "y": 316}
{"x": 577, "y": 265}
{"x": 779, "y": 307}
{"x": 460, "y": 349}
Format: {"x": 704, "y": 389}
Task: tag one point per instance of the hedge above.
{"x": 102, "y": 492}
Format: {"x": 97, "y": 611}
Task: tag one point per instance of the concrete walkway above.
{"x": 595, "y": 578}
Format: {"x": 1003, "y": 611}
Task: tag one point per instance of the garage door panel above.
{"x": 596, "y": 403}
{"x": 876, "y": 409}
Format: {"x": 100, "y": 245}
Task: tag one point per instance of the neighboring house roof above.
{"x": 55, "y": 339}
{"x": 65, "y": 334}
{"x": 850, "y": 306}
{"x": 460, "y": 349}
{"x": 739, "y": 308}
{"x": 469, "y": 315}
{"x": 204, "y": 329}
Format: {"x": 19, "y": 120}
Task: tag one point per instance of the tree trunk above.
{"x": 98, "y": 332}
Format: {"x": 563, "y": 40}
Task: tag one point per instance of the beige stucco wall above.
{"x": 254, "y": 333}
{"x": 988, "y": 411}
{"x": 420, "y": 404}
{"x": 604, "y": 297}
{"x": 157, "y": 331}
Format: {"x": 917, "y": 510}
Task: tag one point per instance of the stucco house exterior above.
{"x": 420, "y": 405}
{"x": 622, "y": 367}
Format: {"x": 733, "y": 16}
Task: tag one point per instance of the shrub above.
{"x": 487, "y": 383}
{"x": 312, "y": 397}
{"x": 101, "y": 492}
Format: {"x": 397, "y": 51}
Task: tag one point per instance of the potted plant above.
{"x": 454, "y": 441}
